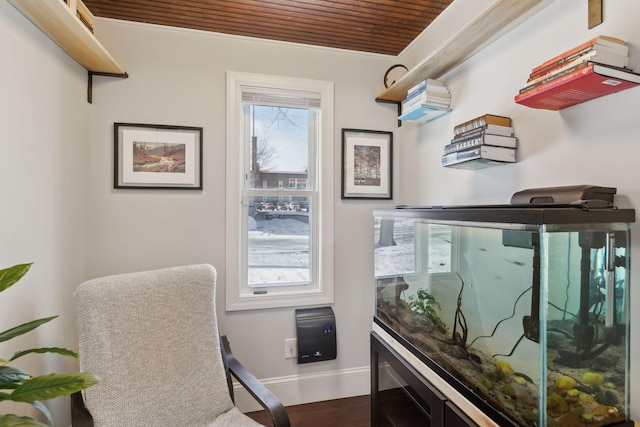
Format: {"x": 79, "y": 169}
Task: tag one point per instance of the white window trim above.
{"x": 234, "y": 297}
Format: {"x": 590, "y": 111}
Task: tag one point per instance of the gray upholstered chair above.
{"x": 152, "y": 338}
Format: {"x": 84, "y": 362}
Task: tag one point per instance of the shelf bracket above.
{"x": 90, "y": 82}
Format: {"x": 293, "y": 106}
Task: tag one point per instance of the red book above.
{"x": 579, "y": 86}
{"x": 607, "y": 43}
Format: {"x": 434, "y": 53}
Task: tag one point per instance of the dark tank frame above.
{"x": 561, "y": 206}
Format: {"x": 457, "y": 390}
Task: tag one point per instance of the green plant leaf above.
{"x": 57, "y": 350}
{"x": 11, "y": 377}
{"x": 52, "y": 385}
{"x": 11, "y": 420}
{"x": 24, "y": 328}
{"x": 9, "y": 276}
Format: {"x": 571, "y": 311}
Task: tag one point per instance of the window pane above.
{"x": 279, "y": 237}
{"x": 279, "y": 147}
{"x": 278, "y": 241}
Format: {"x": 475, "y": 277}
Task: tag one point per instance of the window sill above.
{"x": 276, "y": 300}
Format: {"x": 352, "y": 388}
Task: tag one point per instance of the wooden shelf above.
{"x": 58, "y": 22}
{"x": 56, "y": 19}
{"x": 498, "y": 19}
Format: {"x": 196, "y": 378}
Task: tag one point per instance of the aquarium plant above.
{"x": 425, "y": 304}
{"x": 17, "y": 385}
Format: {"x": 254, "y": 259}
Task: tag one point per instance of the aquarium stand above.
{"x": 414, "y": 368}
{"x": 413, "y": 400}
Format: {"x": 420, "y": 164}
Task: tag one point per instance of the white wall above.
{"x": 44, "y": 117}
{"x": 592, "y": 143}
{"x": 177, "y": 77}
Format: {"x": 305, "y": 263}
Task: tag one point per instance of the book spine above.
{"x": 478, "y": 122}
{"x": 605, "y": 42}
{"x": 580, "y": 47}
{"x": 85, "y": 22}
{"x": 85, "y": 10}
{"x": 414, "y": 96}
{"x": 84, "y": 15}
{"x": 555, "y": 82}
{"x": 476, "y": 141}
{"x": 420, "y": 100}
{"x": 550, "y": 79}
{"x": 561, "y": 62}
{"x": 425, "y": 85}
{"x": 481, "y": 121}
{"x": 505, "y": 155}
{"x": 424, "y": 106}
{"x": 460, "y": 156}
{"x": 411, "y": 105}
{"x": 468, "y": 135}
{"x": 463, "y": 145}
{"x": 420, "y": 87}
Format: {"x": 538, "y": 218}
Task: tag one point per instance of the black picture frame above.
{"x": 367, "y": 164}
{"x": 158, "y": 157}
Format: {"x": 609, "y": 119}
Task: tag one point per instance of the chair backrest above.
{"x": 152, "y": 338}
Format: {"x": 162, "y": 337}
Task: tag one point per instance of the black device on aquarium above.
{"x": 523, "y": 308}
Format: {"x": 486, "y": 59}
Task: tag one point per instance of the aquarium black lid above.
{"x": 582, "y": 204}
{"x": 561, "y": 205}
{"x": 572, "y": 194}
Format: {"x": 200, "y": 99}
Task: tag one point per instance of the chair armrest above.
{"x": 264, "y": 397}
{"x": 80, "y": 416}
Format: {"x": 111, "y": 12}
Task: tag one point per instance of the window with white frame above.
{"x": 279, "y": 129}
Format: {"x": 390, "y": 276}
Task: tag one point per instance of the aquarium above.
{"x": 524, "y": 309}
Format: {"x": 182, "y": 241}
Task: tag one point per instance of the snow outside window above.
{"x": 280, "y": 237}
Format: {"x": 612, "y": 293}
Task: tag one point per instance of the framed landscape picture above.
{"x": 157, "y": 156}
{"x": 367, "y": 164}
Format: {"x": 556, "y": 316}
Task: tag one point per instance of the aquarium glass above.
{"x": 529, "y": 318}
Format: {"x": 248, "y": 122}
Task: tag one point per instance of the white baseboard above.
{"x": 306, "y": 388}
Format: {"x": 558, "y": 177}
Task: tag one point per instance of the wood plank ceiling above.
{"x": 376, "y": 26}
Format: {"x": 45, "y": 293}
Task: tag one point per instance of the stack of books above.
{"x": 426, "y": 101}
{"x": 484, "y": 141}
{"x": 590, "y": 70}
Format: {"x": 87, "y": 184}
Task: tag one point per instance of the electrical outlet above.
{"x": 290, "y": 348}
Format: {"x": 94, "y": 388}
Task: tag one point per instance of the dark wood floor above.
{"x": 349, "y": 412}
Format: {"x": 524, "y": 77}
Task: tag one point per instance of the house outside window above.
{"x": 279, "y": 130}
